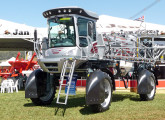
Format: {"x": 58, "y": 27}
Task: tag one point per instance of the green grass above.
{"x": 125, "y": 106}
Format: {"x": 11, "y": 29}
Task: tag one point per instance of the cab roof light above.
{"x": 80, "y": 11}
{"x": 59, "y": 11}
{"x": 64, "y": 10}
{"x": 44, "y": 15}
{"x": 69, "y": 10}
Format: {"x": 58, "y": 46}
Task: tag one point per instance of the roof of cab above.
{"x": 70, "y": 10}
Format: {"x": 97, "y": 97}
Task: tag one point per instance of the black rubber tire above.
{"x": 147, "y": 97}
{"x": 107, "y": 102}
{"x": 45, "y": 100}
{"x": 48, "y": 96}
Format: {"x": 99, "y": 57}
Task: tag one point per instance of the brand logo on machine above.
{"x": 56, "y": 51}
{"x": 94, "y": 48}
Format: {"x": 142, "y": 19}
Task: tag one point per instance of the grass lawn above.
{"x": 125, "y": 106}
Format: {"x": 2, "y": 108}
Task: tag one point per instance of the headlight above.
{"x": 46, "y": 53}
{"x": 71, "y": 52}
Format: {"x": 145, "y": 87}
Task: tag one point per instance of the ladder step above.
{"x": 63, "y": 84}
{"x": 62, "y": 94}
{"x": 68, "y": 67}
{"x": 66, "y": 75}
{"x": 69, "y": 74}
{"x": 61, "y": 103}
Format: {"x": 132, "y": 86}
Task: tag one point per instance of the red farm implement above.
{"x": 17, "y": 67}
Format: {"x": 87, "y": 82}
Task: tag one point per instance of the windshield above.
{"x": 61, "y": 32}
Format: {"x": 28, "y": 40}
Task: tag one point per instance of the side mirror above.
{"x": 90, "y": 29}
{"x": 35, "y": 35}
{"x": 45, "y": 43}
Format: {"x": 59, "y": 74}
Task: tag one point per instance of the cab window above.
{"x": 82, "y": 27}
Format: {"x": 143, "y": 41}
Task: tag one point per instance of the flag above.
{"x": 140, "y": 18}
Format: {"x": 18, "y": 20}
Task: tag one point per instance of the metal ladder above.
{"x": 68, "y": 65}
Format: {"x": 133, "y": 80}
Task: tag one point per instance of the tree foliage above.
{"x": 5, "y": 55}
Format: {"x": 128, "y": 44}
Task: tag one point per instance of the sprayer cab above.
{"x": 71, "y": 34}
{"x": 68, "y": 27}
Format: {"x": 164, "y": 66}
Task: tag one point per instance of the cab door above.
{"x": 87, "y": 33}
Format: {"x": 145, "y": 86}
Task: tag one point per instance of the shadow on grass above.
{"x": 79, "y": 101}
{"x": 73, "y": 101}
{"x": 121, "y": 97}
{"x": 29, "y": 105}
{"x": 60, "y": 109}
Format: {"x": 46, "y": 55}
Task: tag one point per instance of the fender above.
{"x": 112, "y": 77}
{"x": 95, "y": 88}
{"x": 32, "y": 84}
{"x": 144, "y": 84}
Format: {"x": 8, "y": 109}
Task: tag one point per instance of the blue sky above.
{"x": 29, "y": 12}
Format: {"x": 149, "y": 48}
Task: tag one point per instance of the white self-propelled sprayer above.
{"x": 74, "y": 46}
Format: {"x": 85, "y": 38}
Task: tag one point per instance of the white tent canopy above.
{"x": 6, "y": 63}
{"x": 109, "y": 23}
{"x": 18, "y": 37}
{"x": 13, "y": 27}
{"x": 11, "y": 59}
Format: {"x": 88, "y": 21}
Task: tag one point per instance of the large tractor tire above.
{"x": 45, "y": 99}
{"x": 146, "y": 85}
{"x": 151, "y": 95}
{"x": 108, "y": 95}
{"x": 46, "y": 89}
